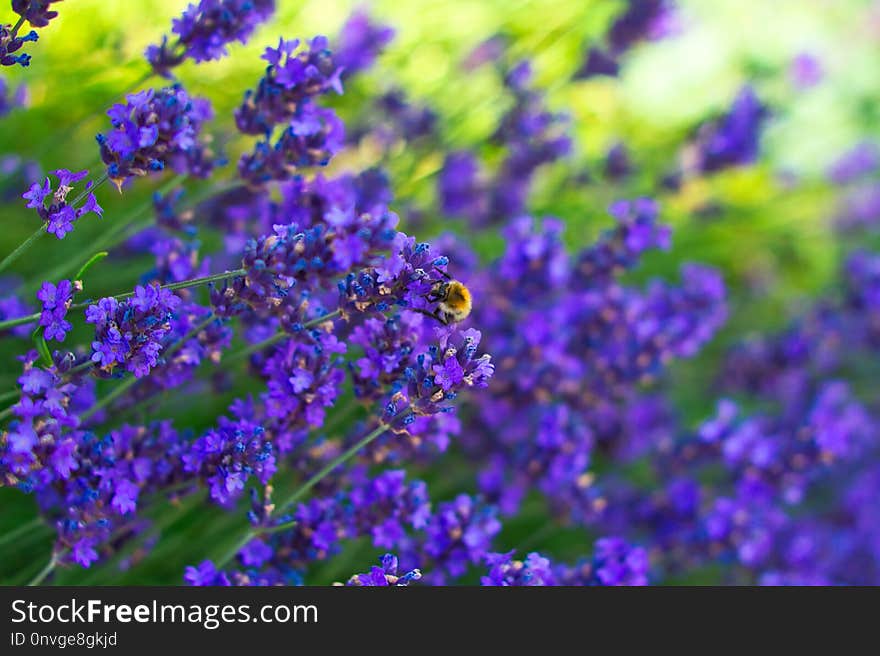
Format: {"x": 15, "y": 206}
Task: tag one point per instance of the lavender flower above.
{"x": 532, "y": 136}
{"x": 597, "y": 63}
{"x": 383, "y": 508}
{"x": 504, "y": 571}
{"x": 205, "y": 29}
{"x": 205, "y": 574}
{"x": 36, "y": 12}
{"x": 392, "y": 119}
{"x": 642, "y": 19}
{"x": 13, "y": 307}
{"x": 59, "y": 216}
{"x": 458, "y": 188}
{"x": 315, "y": 135}
{"x": 615, "y": 562}
{"x": 360, "y": 41}
{"x": 154, "y": 129}
{"x": 130, "y": 332}
{"x": 385, "y": 575}
{"x": 351, "y": 373}
{"x": 56, "y": 302}
{"x": 292, "y": 79}
{"x": 457, "y": 535}
{"x": 228, "y": 456}
{"x": 10, "y": 44}
{"x": 733, "y": 140}
{"x": 101, "y": 483}
{"x": 617, "y": 162}
{"x": 35, "y": 449}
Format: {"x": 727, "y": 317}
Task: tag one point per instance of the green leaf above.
{"x": 42, "y": 347}
{"x": 94, "y": 259}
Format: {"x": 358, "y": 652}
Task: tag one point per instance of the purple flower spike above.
{"x": 36, "y": 12}
{"x": 205, "y": 29}
{"x": 360, "y": 41}
{"x": 155, "y": 129}
{"x": 130, "y": 333}
{"x": 59, "y": 216}
{"x": 386, "y": 575}
{"x": 291, "y": 80}
{"x": 56, "y": 301}
{"x": 734, "y": 139}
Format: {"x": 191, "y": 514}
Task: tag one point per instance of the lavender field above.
{"x": 535, "y": 292}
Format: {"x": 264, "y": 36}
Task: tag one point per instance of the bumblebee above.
{"x": 453, "y": 300}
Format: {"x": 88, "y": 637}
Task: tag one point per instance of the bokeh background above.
{"x": 767, "y": 226}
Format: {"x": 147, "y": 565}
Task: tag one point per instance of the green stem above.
{"x": 184, "y": 284}
{"x": 8, "y": 396}
{"x": 25, "y": 528}
{"x": 299, "y": 493}
{"x": 85, "y": 192}
{"x": 48, "y": 569}
{"x": 16, "y": 28}
{"x": 23, "y": 246}
{"x": 537, "y": 539}
{"x": 82, "y": 366}
{"x": 317, "y": 478}
{"x": 117, "y": 391}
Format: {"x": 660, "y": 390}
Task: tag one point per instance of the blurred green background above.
{"x": 770, "y": 233}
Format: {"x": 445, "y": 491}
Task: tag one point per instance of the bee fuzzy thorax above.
{"x": 454, "y": 300}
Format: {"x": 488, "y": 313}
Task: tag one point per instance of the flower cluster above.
{"x": 733, "y": 139}
{"x": 360, "y": 41}
{"x": 10, "y": 44}
{"x": 493, "y": 357}
{"x": 59, "y": 215}
{"x": 36, "y": 447}
{"x": 640, "y": 20}
{"x": 615, "y": 562}
{"x": 572, "y": 344}
{"x": 285, "y": 97}
{"x": 109, "y": 478}
{"x": 37, "y": 13}
{"x": 227, "y": 456}
{"x": 293, "y": 78}
{"x": 129, "y": 333}
{"x": 205, "y": 29}
{"x": 385, "y": 575}
{"x": 56, "y": 301}
{"x": 152, "y": 130}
